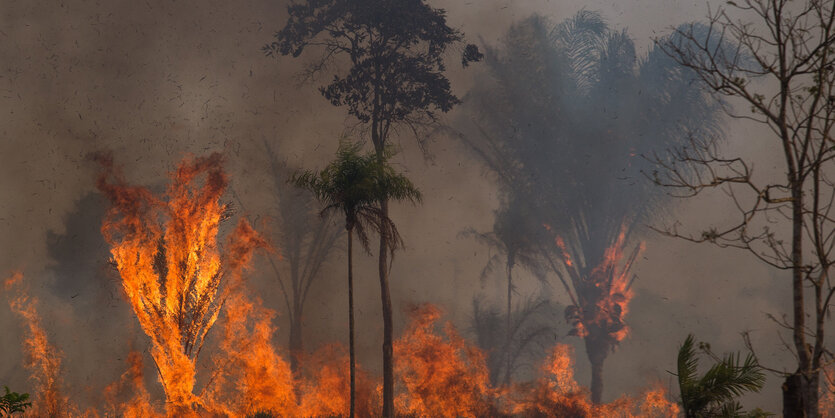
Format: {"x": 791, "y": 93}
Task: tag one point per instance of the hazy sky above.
{"x": 154, "y": 80}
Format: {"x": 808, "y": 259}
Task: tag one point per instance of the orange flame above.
{"x": 439, "y": 377}
{"x": 172, "y": 272}
{"x": 139, "y": 405}
{"x": 325, "y": 389}
{"x": 179, "y": 284}
{"x": 556, "y": 394}
{"x": 42, "y": 359}
{"x": 613, "y": 306}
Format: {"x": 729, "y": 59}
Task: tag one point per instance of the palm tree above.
{"x": 513, "y": 236}
{"x": 354, "y": 184}
{"x": 714, "y": 393}
{"x": 306, "y": 240}
{"x": 532, "y": 330}
{"x": 562, "y": 120}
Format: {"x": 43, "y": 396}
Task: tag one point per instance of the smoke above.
{"x": 153, "y": 80}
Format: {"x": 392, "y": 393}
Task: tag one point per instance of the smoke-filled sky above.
{"x": 154, "y": 80}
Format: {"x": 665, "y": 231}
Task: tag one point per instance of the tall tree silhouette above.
{"x": 532, "y": 330}
{"x": 306, "y": 242}
{"x": 353, "y": 185}
{"x": 562, "y": 120}
{"x": 513, "y": 235}
{"x": 395, "y": 79}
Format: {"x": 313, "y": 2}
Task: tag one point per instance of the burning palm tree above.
{"x": 173, "y": 273}
{"x": 562, "y": 121}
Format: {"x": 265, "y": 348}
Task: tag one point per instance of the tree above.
{"x": 395, "y": 51}
{"x": 13, "y": 402}
{"x": 175, "y": 275}
{"x": 781, "y": 63}
{"x": 354, "y": 184}
{"x": 532, "y": 332}
{"x": 561, "y": 120}
{"x": 714, "y": 393}
{"x": 514, "y": 237}
{"x": 306, "y": 242}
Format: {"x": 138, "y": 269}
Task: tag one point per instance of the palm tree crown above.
{"x": 354, "y": 184}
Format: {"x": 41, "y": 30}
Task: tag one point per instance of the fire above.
{"x": 826, "y": 400}
{"x": 248, "y": 362}
{"x": 604, "y": 292}
{"x": 180, "y": 282}
{"x": 614, "y": 284}
{"x": 131, "y": 384}
{"x": 325, "y": 387}
{"x": 557, "y": 394}
{"x": 439, "y": 377}
{"x": 42, "y": 358}
{"x": 173, "y": 275}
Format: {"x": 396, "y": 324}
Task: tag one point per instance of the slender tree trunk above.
{"x": 597, "y": 349}
{"x": 296, "y": 343}
{"x": 351, "y": 318}
{"x": 385, "y": 293}
{"x": 800, "y": 390}
{"x": 508, "y": 336}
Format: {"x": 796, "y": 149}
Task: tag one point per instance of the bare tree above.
{"x": 779, "y": 60}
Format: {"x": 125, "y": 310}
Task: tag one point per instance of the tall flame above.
{"x": 130, "y": 385}
{"x": 42, "y": 358}
{"x": 439, "y": 377}
{"x": 180, "y": 282}
{"x": 167, "y": 255}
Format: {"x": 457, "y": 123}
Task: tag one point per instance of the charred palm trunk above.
{"x": 597, "y": 349}
{"x": 351, "y": 317}
{"x": 296, "y": 343}
{"x": 508, "y": 330}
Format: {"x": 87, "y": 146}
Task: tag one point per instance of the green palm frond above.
{"x": 355, "y": 184}
{"x": 714, "y": 393}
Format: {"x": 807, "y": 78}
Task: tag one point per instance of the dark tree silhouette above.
{"x": 532, "y": 332}
{"x": 514, "y": 236}
{"x": 306, "y": 240}
{"x": 396, "y": 78}
{"x": 353, "y": 185}
{"x": 562, "y": 120}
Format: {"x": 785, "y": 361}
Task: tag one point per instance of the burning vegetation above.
{"x": 567, "y": 118}
{"x": 182, "y": 286}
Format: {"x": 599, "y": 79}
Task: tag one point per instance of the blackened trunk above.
{"x": 508, "y": 332}
{"x": 351, "y": 318}
{"x": 296, "y": 344}
{"x": 597, "y": 349}
{"x": 385, "y": 295}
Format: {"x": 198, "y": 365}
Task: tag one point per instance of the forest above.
{"x": 417, "y": 208}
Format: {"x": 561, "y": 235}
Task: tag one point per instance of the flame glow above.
{"x": 180, "y": 282}
{"x": 42, "y": 358}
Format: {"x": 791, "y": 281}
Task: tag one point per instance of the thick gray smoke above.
{"x": 155, "y": 80}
